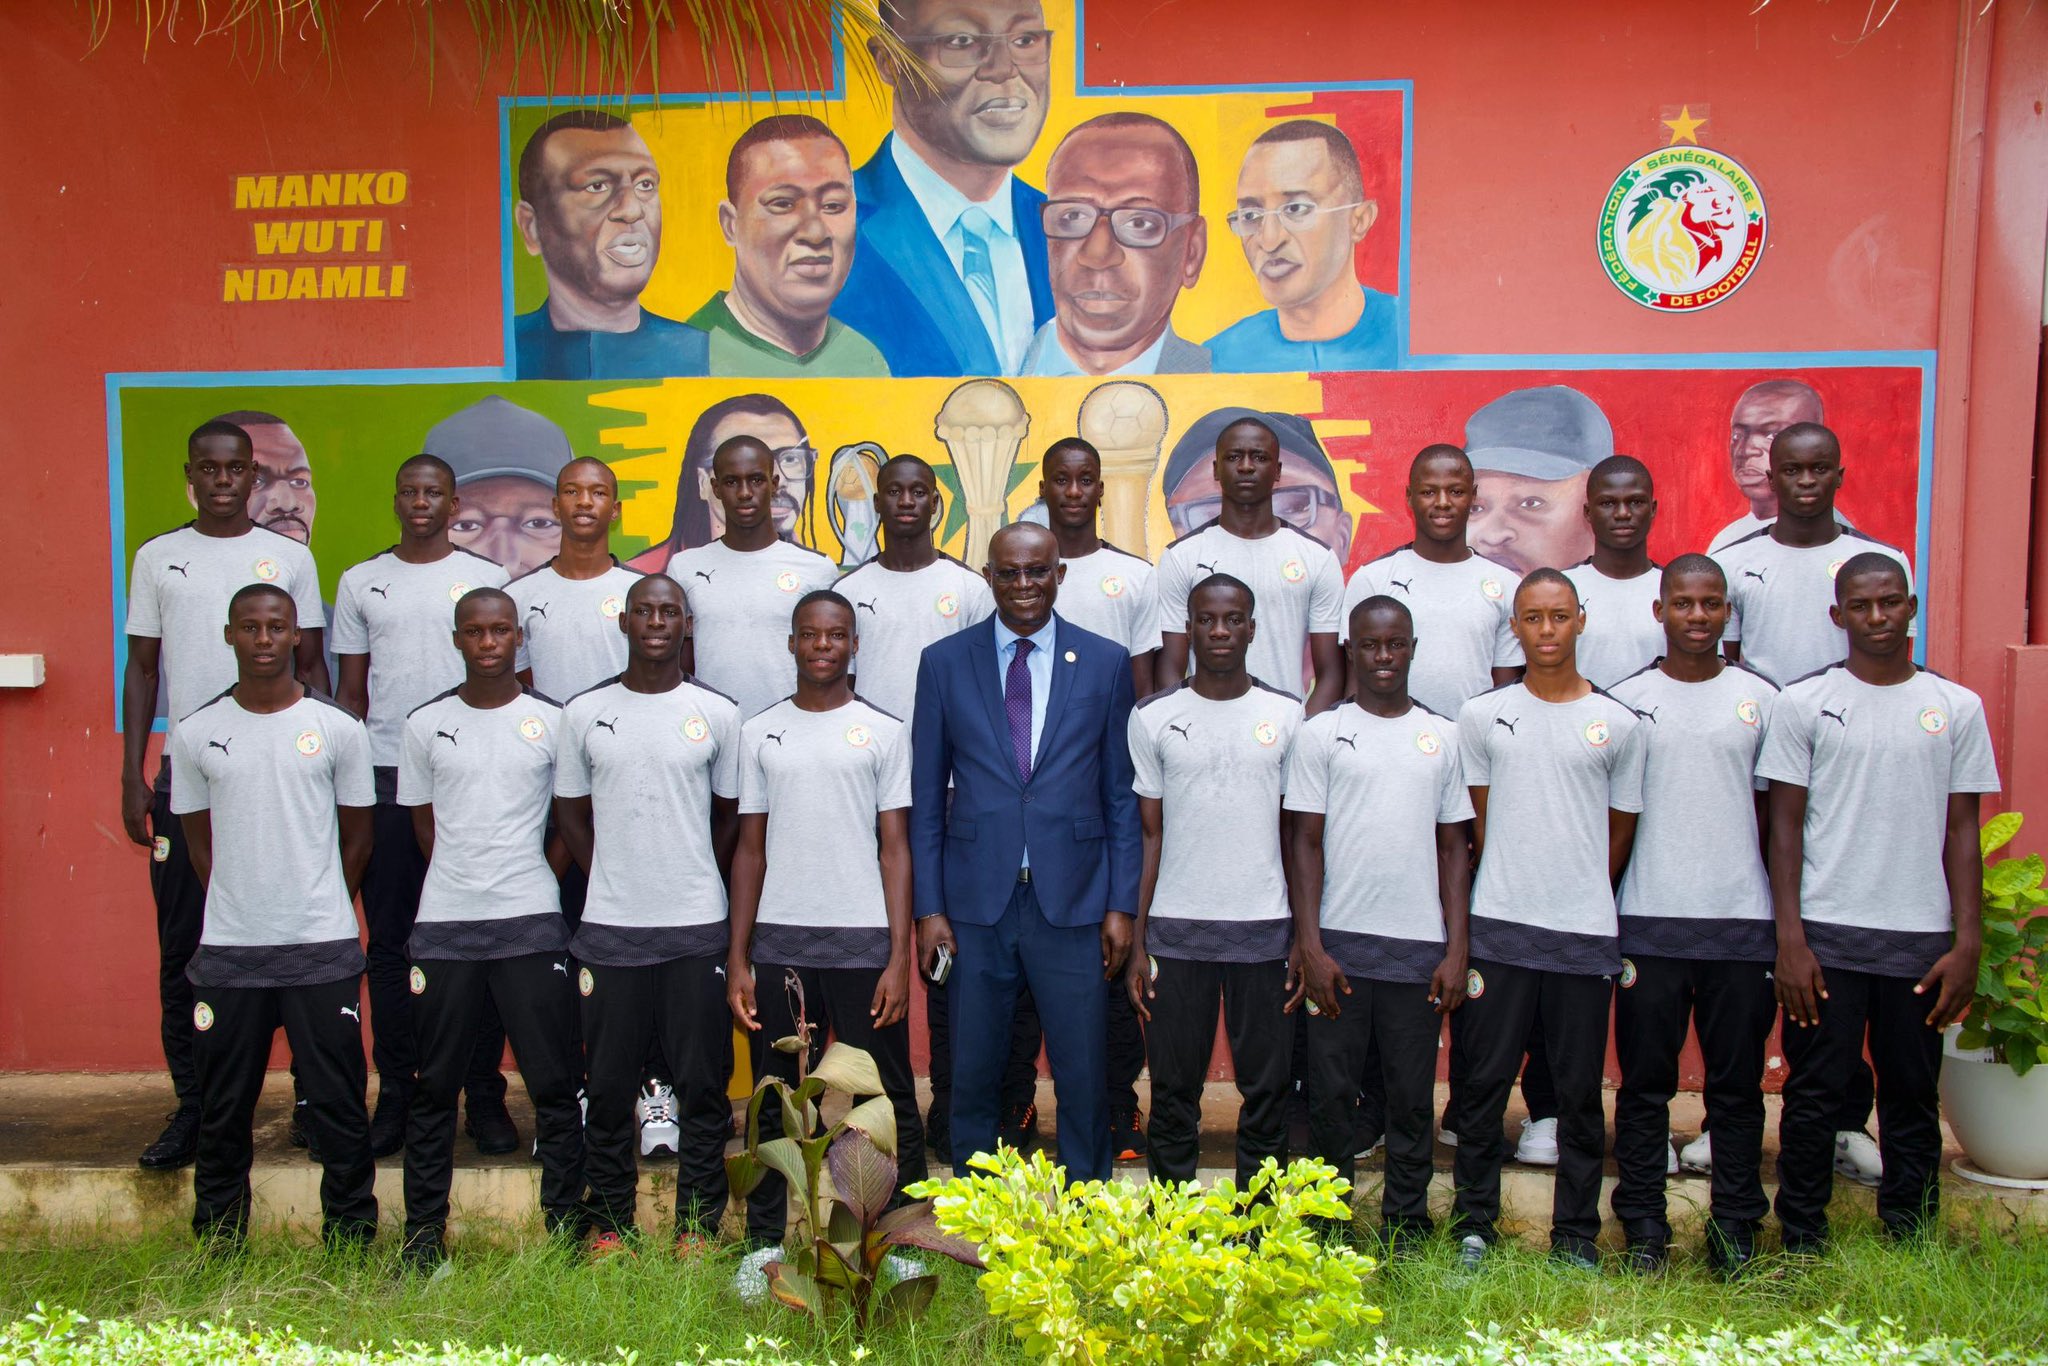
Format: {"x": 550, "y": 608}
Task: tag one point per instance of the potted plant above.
{"x": 1995, "y": 1099}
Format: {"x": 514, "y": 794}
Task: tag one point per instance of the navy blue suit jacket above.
{"x": 1078, "y": 811}
{"x": 903, "y": 293}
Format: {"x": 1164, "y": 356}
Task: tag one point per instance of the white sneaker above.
{"x": 1670, "y": 1159}
{"x": 1538, "y": 1143}
{"x": 1698, "y": 1155}
{"x": 656, "y": 1111}
{"x": 1449, "y": 1140}
{"x": 1857, "y": 1158}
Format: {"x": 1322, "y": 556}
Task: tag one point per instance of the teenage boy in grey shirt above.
{"x": 1618, "y": 585}
{"x": 569, "y": 607}
{"x": 646, "y": 797}
{"x": 821, "y": 886}
{"x": 1695, "y": 914}
{"x": 477, "y": 771}
{"x": 1380, "y": 880}
{"x": 273, "y": 785}
{"x": 393, "y": 620}
{"x": 1556, "y": 772}
{"x": 1873, "y": 754}
{"x": 1210, "y": 756}
{"x": 742, "y": 586}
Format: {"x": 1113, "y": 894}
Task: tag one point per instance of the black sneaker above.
{"x": 1646, "y": 1259}
{"x": 423, "y": 1251}
{"x": 387, "y": 1126}
{"x": 938, "y": 1137}
{"x": 176, "y": 1146}
{"x": 1020, "y": 1128}
{"x": 492, "y": 1127}
{"x": 1127, "y": 1136}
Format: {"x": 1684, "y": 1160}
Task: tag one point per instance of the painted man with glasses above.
{"x": 949, "y": 269}
{"x": 1124, "y": 237}
{"x": 1302, "y": 209}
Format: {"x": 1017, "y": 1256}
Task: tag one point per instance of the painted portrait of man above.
{"x": 1531, "y": 451}
{"x": 699, "y": 520}
{"x": 1307, "y": 496}
{"x": 283, "y": 498}
{"x": 505, "y": 459}
{"x": 1765, "y": 409}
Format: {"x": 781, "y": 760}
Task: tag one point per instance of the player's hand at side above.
{"x": 892, "y": 993}
{"x": 739, "y": 992}
{"x": 1799, "y": 984}
{"x": 135, "y": 800}
{"x": 1138, "y": 982}
{"x": 1447, "y": 983}
{"x": 1953, "y": 978}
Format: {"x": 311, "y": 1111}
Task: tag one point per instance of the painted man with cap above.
{"x": 1306, "y": 498}
{"x": 1531, "y": 450}
{"x": 505, "y": 458}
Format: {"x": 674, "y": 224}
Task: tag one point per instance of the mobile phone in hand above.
{"x": 942, "y": 965}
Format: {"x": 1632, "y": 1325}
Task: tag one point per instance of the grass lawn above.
{"x": 1989, "y": 1289}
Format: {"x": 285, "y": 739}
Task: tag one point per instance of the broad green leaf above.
{"x": 849, "y": 1071}
{"x": 1999, "y": 830}
{"x": 793, "y": 1288}
{"x": 842, "y": 1226}
{"x": 743, "y": 1173}
{"x": 833, "y": 1268}
{"x": 789, "y": 1043}
{"x": 877, "y": 1119}
{"x": 785, "y": 1157}
{"x": 862, "y": 1174}
{"x": 2010, "y": 877}
{"x": 908, "y": 1297}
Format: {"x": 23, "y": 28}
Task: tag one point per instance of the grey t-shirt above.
{"x": 896, "y": 614}
{"x": 1218, "y": 770}
{"x": 489, "y": 774}
{"x": 1779, "y": 596}
{"x": 1463, "y": 621}
{"x": 1622, "y": 634}
{"x": 278, "y": 912}
{"x": 1878, "y": 764}
{"x": 1112, "y": 594}
{"x": 403, "y": 617}
{"x": 571, "y": 627}
{"x": 1695, "y": 885}
{"x": 740, "y": 602}
{"x": 1552, "y": 771}
{"x": 179, "y": 594}
{"x": 1296, "y": 580}
{"x": 650, "y": 764}
{"x": 822, "y": 777}
{"x": 1382, "y": 786}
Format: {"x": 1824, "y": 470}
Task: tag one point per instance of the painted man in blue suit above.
{"x": 1029, "y": 874}
{"x": 949, "y": 269}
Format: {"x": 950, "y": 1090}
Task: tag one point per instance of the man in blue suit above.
{"x": 1029, "y": 876}
{"x": 949, "y": 266}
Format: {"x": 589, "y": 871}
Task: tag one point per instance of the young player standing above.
{"x": 1618, "y": 585}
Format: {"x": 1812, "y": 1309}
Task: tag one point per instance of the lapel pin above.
{"x": 1070, "y": 656}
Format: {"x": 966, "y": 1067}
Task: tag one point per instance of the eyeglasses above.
{"x": 971, "y": 51}
{"x": 1294, "y": 215}
{"x": 1296, "y": 505}
{"x": 794, "y": 462}
{"x": 1070, "y": 220}
{"x": 1030, "y": 573}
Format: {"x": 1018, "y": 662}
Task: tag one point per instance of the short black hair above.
{"x": 1438, "y": 450}
{"x": 1806, "y": 431}
{"x": 262, "y": 590}
{"x": 645, "y": 581}
{"x": 434, "y": 462}
{"x": 1230, "y": 581}
{"x": 1621, "y": 466}
{"x": 1070, "y": 443}
{"x": 218, "y": 427}
{"x": 586, "y": 120}
{"x": 1258, "y": 422}
{"x": 741, "y": 441}
{"x": 1343, "y": 155}
{"x": 776, "y": 128}
{"x": 906, "y": 459}
{"x": 1870, "y": 562}
{"x": 692, "y": 524}
{"x": 575, "y": 460}
{"x": 837, "y": 599}
{"x": 477, "y": 597}
{"x": 1547, "y": 575}
{"x": 1691, "y": 563}
{"x": 1379, "y": 602}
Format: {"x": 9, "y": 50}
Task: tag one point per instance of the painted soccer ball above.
{"x": 1123, "y": 416}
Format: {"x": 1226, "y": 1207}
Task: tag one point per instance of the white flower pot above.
{"x": 2000, "y": 1119}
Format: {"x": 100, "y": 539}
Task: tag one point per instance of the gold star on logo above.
{"x": 1684, "y": 128}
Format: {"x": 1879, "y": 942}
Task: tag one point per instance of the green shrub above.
{"x": 1106, "y": 1272}
{"x": 2009, "y": 1013}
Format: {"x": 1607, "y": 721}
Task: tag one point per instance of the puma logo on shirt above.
{"x": 1840, "y": 718}
{"x": 1211, "y": 567}
{"x": 1503, "y": 721}
{"x": 611, "y": 725}
{"x": 1757, "y": 574}
{"x": 1402, "y": 584}
{"x": 448, "y": 735}
{"x": 1648, "y": 714}
{"x": 776, "y": 736}
{"x": 1350, "y": 740}
{"x": 384, "y": 592}
{"x": 867, "y": 607}
{"x": 180, "y": 569}
{"x": 539, "y": 609}
{"x": 221, "y": 745}
{"x": 1182, "y": 731}
{"x": 705, "y": 574}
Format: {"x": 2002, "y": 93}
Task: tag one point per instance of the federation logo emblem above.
{"x": 1681, "y": 229}
{"x": 202, "y": 1016}
{"x": 947, "y": 606}
{"x": 696, "y": 730}
{"x": 1628, "y": 973}
{"x": 1491, "y": 588}
{"x": 859, "y": 736}
{"x": 1294, "y": 571}
{"x": 308, "y": 743}
{"x": 265, "y": 570}
{"x": 1265, "y": 733}
{"x": 456, "y": 590}
{"x": 787, "y": 581}
{"x": 1834, "y": 568}
{"x": 1933, "y": 720}
{"x": 1747, "y": 712}
{"x": 1596, "y": 733}
{"x": 532, "y": 727}
{"x": 612, "y": 605}
{"x": 1428, "y": 743}
{"x": 1112, "y": 586}
{"x": 417, "y": 978}
{"x": 160, "y": 848}
{"x": 1475, "y": 985}
{"x": 585, "y": 983}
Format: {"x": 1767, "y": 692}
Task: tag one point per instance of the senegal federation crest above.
{"x": 1112, "y": 586}
{"x": 1681, "y": 229}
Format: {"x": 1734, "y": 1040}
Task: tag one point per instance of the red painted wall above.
{"x": 115, "y": 227}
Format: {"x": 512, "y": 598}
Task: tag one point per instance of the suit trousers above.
{"x": 1388, "y": 1028}
{"x": 681, "y": 1004}
{"x": 1906, "y": 1057}
{"x": 323, "y": 1024}
{"x": 835, "y": 999}
{"x": 533, "y": 993}
{"x": 1732, "y": 1007}
{"x": 1062, "y": 967}
{"x": 1180, "y": 1041}
{"x": 1571, "y": 1009}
